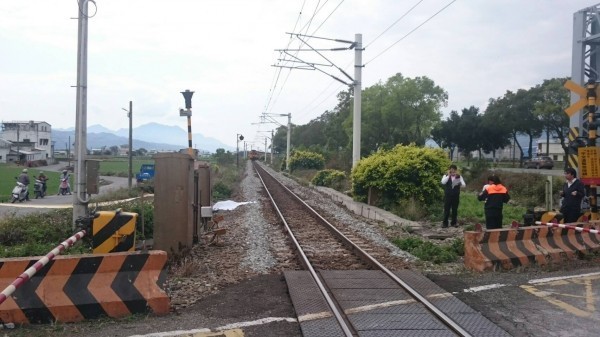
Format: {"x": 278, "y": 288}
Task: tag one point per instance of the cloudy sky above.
{"x": 224, "y": 50}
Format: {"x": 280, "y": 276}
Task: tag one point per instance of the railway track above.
{"x": 355, "y": 281}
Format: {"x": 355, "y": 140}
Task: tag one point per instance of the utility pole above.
{"x": 238, "y": 138}
{"x": 80, "y": 201}
{"x": 18, "y": 145}
{"x": 356, "y": 81}
{"x": 271, "y": 148}
{"x": 130, "y": 151}
{"x": 356, "y": 130}
{"x": 289, "y": 137}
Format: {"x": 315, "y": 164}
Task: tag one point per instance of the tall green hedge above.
{"x": 329, "y": 178}
{"x": 306, "y": 160}
{"x": 402, "y": 173}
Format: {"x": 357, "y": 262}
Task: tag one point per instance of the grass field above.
{"x": 8, "y": 172}
{"x": 120, "y": 167}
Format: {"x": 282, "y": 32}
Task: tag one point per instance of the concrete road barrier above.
{"x": 515, "y": 247}
{"x": 77, "y": 287}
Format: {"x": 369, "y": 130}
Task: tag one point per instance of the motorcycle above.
{"x": 64, "y": 187}
{"x": 39, "y": 189}
{"x": 19, "y": 192}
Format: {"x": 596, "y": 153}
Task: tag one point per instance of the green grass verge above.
{"x": 8, "y": 172}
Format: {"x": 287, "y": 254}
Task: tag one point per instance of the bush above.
{"x": 402, "y": 173}
{"x": 37, "y": 234}
{"x": 429, "y": 251}
{"x": 221, "y": 191}
{"x": 329, "y": 178}
{"x": 306, "y": 160}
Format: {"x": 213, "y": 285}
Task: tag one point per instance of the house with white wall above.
{"x": 30, "y": 140}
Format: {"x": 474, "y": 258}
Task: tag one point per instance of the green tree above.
{"x": 401, "y": 111}
{"x": 402, "y": 173}
{"x": 549, "y": 109}
{"x": 515, "y": 111}
{"x": 114, "y": 150}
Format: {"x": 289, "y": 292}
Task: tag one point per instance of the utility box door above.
{"x": 173, "y": 201}
{"x": 92, "y": 176}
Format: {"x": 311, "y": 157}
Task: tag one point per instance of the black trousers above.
{"x": 450, "y": 206}
{"x": 493, "y": 218}
{"x": 571, "y": 214}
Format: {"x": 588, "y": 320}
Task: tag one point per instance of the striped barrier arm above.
{"x": 580, "y": 229}
{"x": 39, "y": 265}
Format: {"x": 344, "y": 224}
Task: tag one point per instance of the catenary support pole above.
{"x": 289, "y": 135}
{"x": 130, "y": 152}
{"x": 80, "y": 202}
{"x": 356, "y": 127}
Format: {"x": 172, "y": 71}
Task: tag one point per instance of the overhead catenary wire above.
{"x": 409, "y": 33}
{"x": 393, "y": 24}
{"x": 305, "y": 108}
{"x": 269, "y": 106}
{"x": 311, "y": 106}
{"x": 307, "y": 26}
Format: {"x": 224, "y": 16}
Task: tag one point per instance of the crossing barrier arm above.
{"x": 27, "y": 274}
{"x": 580, "y": 229}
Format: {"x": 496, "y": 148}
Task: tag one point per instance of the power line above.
{"x": 395, "y": 22}
{"x": 405, "y": 36}
{"x": 306, "y": 107}
{"x": 306, "y": 26}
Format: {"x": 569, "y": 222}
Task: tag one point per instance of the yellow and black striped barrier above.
{"x": 509, "y": 248}
{"x": 75, "y": 288}
{"x": 113, "y": 231}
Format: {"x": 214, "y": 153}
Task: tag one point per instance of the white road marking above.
{"x": 485, "y": 287}
{"x": 558, "y": 278}
{"x": 221, "y": 328}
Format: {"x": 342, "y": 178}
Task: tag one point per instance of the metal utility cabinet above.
{"x": 173, "y": 202}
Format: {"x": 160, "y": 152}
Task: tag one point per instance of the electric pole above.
{"x": 130, "y": 152}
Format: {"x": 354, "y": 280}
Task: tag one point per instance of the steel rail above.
{"x": 371, "y": 260}
{"x": 306, "y": 263}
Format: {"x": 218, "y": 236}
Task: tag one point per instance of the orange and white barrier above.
{"x": 77, "y": 287}
{"x": 509, "y": 248}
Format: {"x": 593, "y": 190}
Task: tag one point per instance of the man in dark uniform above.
{"x": 572, "y": 193}
{"x": 452, "y": 182}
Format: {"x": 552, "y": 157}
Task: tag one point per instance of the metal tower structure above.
{"x": 585, "y": 65}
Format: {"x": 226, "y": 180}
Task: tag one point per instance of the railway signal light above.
{"x": 187, "y": 96}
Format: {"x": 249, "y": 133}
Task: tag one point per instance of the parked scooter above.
{"x": 19, "y": 192}
{"x": 39, "y": 189}
{"x": 64, "y": 187}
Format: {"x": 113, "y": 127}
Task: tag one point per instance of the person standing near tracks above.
{"x": 495, "y": 196}
{"x": 572, "y": 193}
{"x": 452, "y": 182}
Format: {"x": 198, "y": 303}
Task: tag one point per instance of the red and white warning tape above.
{"x": 581, "y": 229}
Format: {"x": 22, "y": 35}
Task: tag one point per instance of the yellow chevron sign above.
{"x": 582, "y": 92}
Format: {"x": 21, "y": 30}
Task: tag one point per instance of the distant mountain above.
{"x": 100, "y": 129}
{"x": 152, "y": 136}
{"x": 99, "y": 140}
{"x": 169, "y": 134}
